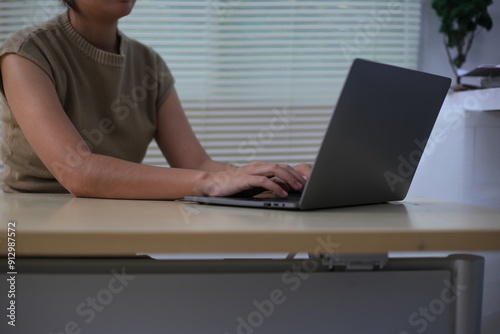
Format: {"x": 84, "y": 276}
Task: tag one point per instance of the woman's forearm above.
{"x": 106, "y": 177}
{"x": 215, "y": 166}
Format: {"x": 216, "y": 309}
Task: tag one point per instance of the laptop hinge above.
{"x": 357, "y": 262}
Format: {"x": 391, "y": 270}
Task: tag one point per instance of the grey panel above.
{"x": 288, "y": 302}
{"x": 141, "y": 295}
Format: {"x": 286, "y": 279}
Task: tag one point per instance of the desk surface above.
{"x": 49, "y": 224}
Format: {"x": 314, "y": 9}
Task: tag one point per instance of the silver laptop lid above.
{"x": 376, "y": 137}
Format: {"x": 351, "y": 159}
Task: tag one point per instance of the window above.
{"x": 258, "y": 79}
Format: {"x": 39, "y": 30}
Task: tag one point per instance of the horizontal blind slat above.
{"x": 240, "y": 65}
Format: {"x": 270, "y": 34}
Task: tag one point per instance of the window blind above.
{"x": 258, "y": 79}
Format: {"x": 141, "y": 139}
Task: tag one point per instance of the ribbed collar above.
{"x": 98, "y": 55}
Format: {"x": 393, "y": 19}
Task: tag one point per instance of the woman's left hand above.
{"x": 303, "y": 169}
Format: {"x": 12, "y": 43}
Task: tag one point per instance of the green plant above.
{"x": 461, "y": 21}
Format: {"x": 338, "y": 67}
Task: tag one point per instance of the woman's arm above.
{"x": 36, "y": 107}
{"x": 178, "y": 142}
{"x": 182, "y": 149}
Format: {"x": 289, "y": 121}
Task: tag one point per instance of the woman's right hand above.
{"x": 253, "y": 175}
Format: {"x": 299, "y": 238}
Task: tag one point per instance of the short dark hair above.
{"x": 69, "y": 3}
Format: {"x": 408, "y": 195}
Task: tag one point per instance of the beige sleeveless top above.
{"x": 112, "y": 99}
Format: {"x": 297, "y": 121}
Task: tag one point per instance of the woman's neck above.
{"x": 101, "y": 34}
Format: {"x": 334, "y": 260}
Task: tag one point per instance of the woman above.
{"x": 82, "y": 103}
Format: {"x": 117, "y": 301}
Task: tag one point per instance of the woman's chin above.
{"x": 120, "y": 8}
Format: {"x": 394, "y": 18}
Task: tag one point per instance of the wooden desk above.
{"x": 52, "y": 225}
{"x": 73, "y": 253}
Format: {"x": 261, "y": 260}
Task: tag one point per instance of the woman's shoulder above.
{"x": 35, "y": 34}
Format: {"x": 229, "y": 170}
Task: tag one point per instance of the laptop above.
{"x": 373, "y": 144}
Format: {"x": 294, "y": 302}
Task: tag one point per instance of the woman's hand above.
{"x": 255, "y": 175}
{"x": 304, "y": 169}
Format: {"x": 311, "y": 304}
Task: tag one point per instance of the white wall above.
{"x": 462, "y": 162}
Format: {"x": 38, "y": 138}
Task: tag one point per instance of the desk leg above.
{"x": 467, "y": 276}
{"x": 469, "y": 271}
